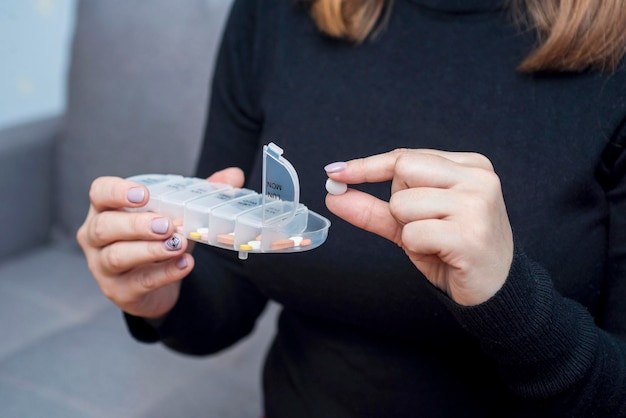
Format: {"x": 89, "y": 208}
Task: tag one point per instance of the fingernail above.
{"x": 173, "y": 243}
{"x": 181, "y": 263}
{"x": 160, "y": 225}
{"x": 336, "y": 167}
{"x": 136, "y": 194}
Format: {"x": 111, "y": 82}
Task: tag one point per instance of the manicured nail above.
{"x": 336, "y": 167}
{"x": 160, "y": 225}
{"x": 181, "y": 263}
{"x": 136, "y": 195}
{"x": 173, "y": 243}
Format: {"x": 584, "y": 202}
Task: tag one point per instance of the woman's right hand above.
{"x": 136, "y": 258}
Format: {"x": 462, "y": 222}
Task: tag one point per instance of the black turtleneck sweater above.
{"x": 362, "y": 333}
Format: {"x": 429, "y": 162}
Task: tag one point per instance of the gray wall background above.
{"x": 34, "y": 52}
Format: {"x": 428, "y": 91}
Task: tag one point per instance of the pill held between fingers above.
{"x": 335, "y": 187}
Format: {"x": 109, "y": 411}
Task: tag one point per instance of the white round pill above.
{"x": 335, "y": 187}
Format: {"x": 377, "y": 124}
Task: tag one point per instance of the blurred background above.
{"x": 85, "y": 88}
{"x": 35, "y": 40}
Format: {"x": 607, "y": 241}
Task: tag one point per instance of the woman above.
{"x": 477, "y": 269}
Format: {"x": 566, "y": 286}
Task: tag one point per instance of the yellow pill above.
{"x": 195, "y": 235}
{"x": 245, "y": 247}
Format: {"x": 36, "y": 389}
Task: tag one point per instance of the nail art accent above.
{"x": 173, "y": 243}
{"x": 136, "y": 194}
{"x": 336, "y": 167}
{"x": 160, "y": 225}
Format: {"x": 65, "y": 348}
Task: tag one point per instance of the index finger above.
{"x": 372, "y": 169}
{"x": 116, "y": 193}
{"x": 440, "y": 168}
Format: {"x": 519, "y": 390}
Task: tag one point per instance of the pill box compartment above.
{"x": 153, "y": 182}
{"x": 261, "y": 229}
{"x": 223, "y": 219}
{"x": 160, "y": 185}
{"x": 173, "y": 204}
{"x": 311, "y": 235}
{"x": 197, "y": 212}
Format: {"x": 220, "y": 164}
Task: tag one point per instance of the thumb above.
{"x": 366, "y": 212}
{"x": 232, "y": 176}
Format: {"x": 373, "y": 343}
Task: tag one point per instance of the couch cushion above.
{"x": 66, "y": 353}
{"x": 43, "y": 292}
{"x": 26, "y": 187}
{"x": 137, "y": 92}
{"x": 94, "y": 368}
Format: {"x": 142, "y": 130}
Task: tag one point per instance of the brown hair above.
{"x": 572, "y": 35}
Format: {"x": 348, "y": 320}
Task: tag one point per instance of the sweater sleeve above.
{"x": 218, "y": 305}
{"x": 558, "y": 357}
{"x": 554, "y": 355}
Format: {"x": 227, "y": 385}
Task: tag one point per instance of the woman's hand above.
{"x": 136, "y": 258}
{"x": 446, "y": 211}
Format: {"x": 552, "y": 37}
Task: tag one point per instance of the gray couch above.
{"x": 137, "y": 96}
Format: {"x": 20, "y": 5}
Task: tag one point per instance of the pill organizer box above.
{"x": 239, "y": 219}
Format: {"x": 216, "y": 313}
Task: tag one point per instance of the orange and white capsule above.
{"x": 283, "y": 244}
{"x": 226, "y": 239}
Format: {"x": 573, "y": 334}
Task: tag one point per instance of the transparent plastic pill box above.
{"x": 239, "y": 219}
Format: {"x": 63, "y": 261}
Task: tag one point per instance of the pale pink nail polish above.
{"x": 181, "y": 263}
{"x": 136, "y": 195}
{"x": 160, "y": 225}
{"x": 336, "y": 167}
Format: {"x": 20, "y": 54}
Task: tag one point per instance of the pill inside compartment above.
{"x": 223, "y": 219}
{"x": 284, "y": 239}
{"x": 263, "y": 229}
{"x": 197, "y": 213}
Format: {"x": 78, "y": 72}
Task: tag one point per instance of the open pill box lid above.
{"x": 239, "y": 219}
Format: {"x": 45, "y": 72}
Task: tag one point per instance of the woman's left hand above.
{"x": 446, "y": 211}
